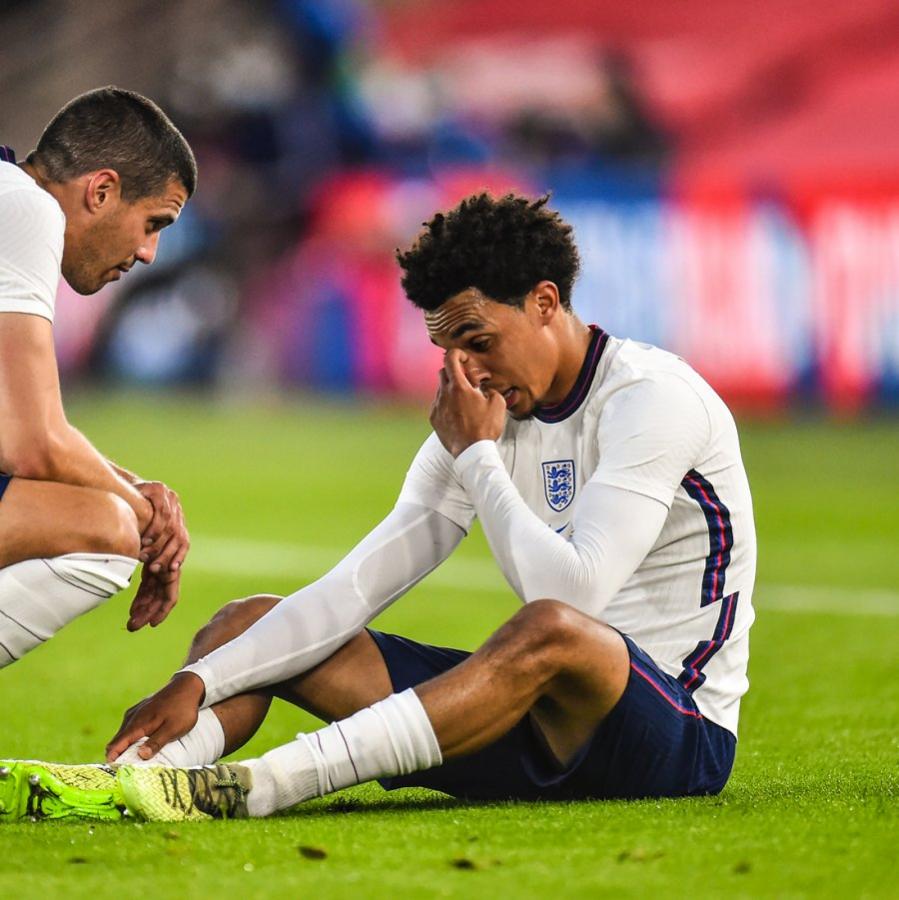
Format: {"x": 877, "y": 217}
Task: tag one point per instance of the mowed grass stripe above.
{"x": 246, "y": 557}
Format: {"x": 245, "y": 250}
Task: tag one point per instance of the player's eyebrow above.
{"x": 462, "y": 329}
{"x": 466, "y": 326}
{"x": 162, "y": 221}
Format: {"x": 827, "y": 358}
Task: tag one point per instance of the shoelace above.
{"x": 206, "y": 789}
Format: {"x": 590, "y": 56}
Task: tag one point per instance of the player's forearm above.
{"x": 613, "y": 531}
{"x": 68, "y": 457}
{"x": 309, "y": 626}
{"x": 523, "y": 546}
{"x": 86, "y": 466}
{"x": 123, "y": 473}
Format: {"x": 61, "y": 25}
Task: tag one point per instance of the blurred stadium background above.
{"x": 732, "y": 172}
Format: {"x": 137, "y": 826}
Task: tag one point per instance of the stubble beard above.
{"x": 84, "y": 272}
{"x": 80, "y": 281}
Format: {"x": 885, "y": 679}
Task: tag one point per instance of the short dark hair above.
{"x": 121, "y": 130}
{"x": 502, "y": 247}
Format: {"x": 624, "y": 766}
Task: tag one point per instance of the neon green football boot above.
{"x": 32, "y": 790}
{"x": 200, "y": 793}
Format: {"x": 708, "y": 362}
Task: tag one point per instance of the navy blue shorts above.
{"x": 4, "y": 483}
{"x": 654, "y": 743}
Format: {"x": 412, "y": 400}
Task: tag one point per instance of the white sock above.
{"x": 392, "y": 737}
{"x": 202, "y": 745}
{"x": 40, "y": 596}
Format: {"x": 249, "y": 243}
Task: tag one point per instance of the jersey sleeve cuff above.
{"x": 204, "y": 673}
{"x": 474, "y": 458}
{"x": 27, "y": 308}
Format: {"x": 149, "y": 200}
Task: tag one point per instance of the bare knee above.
{"x": 111, "y": 527}
{"x": 548, "y": 621}
{"x": 231, "y": 620}
{"x": 238, "y": 615}
{"x": 542, "y": 635}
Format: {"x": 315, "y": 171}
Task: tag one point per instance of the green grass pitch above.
{"x": 274, "y": 494}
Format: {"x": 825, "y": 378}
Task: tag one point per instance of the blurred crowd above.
{"x": 682, "y": 147}
{"x": 319, "y": 155}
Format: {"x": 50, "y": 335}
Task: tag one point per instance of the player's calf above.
{"x": 40, "y": 596}
{"x": 63, "y": 550}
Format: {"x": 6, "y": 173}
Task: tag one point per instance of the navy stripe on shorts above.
{"x": 4, "y": 484}
{"x": 654, "y": 743}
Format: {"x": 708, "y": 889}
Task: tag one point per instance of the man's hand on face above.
{"x": 463, "y": 413}
{"x": 162, "y": 718}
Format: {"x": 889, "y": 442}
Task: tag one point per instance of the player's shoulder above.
{"x": 648, "y": 382}
{"x": 630, "y": 360}
{"x": 651, "y": 385}
{"x": 34, "y": 207}
{"x": 647, "y": 369}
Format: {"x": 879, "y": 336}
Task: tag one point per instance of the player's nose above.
{"x": 146, "y": 253}
{"x": 477, "y": 372}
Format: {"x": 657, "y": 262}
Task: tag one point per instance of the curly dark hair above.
{"x": 502, "y": 247}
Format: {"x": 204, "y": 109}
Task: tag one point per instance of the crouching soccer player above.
{"x": 608, "y": 480}
{"x": 109, "y": 173}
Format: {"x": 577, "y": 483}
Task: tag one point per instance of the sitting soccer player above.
{"x": 109, "y": 172}
{"x": 608, "y": 480}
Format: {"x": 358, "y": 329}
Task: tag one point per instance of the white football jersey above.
{"x": 641, "y": 419}
{"x": 32, "y": 229}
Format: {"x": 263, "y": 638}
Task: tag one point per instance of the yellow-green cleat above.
{"x": 161, "y": 794}
{"x": 34, "y": 791}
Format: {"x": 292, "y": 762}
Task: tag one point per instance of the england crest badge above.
{"x": 558, "y": 483}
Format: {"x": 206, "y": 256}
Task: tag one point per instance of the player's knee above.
{"x": 234, "y": 619}
{"x": 111, "y": 527}
{"x": 549, "y": 621}
{"x": 543, "y": 631}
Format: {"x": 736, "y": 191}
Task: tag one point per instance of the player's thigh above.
{"x": 42, "y": 519}
{"x": 590, "y": 665}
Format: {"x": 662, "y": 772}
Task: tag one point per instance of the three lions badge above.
{"x": 558, "y": 483}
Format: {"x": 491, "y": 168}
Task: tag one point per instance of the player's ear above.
{"x": 102, "y": 190}
{"x": 546, "y": 299}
